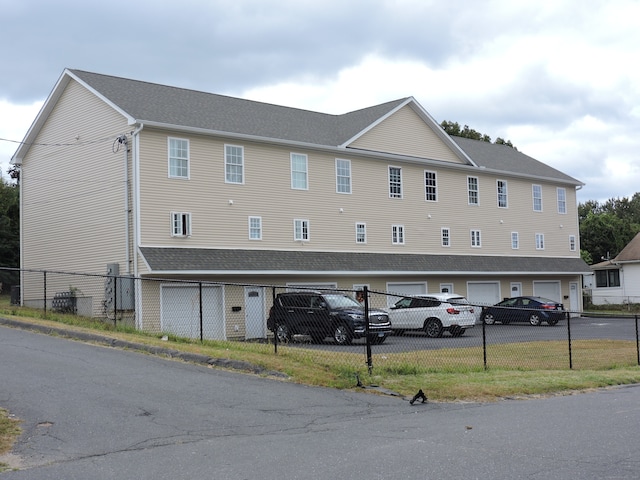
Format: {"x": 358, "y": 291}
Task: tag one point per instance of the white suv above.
{"x": 433, "y": 313}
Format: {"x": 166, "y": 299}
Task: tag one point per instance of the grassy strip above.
{"x": 517, "y": 369}
{"x": 9, "y": 431}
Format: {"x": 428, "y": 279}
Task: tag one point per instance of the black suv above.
{"x": 322, "y": 315}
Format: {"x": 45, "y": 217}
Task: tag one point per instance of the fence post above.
{"x": 44, "y": 276}
{"x": 637, "y": 341}
{"x": 275, "y": 325}
{"x": 201, "y": 321}
{"x": 115, "y": 301}
{"x": 569, "y": 338}
{"x": 484, "y": 341}
{"x": 366, "y": 329}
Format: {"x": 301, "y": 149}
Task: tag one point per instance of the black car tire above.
{"x": 456, "y": 331}
{"x": 534, "y": 319}
{"x": 283, "y": 333}
{"x": 488, "y": 319}
{"x": 342, "y": 334}
{"x": 552, "y": 321}
{"x": 433, "y": 328}
{"x": 375, "y": 340}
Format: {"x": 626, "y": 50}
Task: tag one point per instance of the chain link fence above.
{"x": 425, "y": 333}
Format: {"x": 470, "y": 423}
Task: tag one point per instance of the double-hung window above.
{"x": 180, "y": 224}
{"x": 397, "y": 234}
{"x": 515, "y": 241}
{"x": 445, "y": 237}
{"x": 178, "y": 158}
{"x": 395, "y": 182}
{"x": 255, "y": 228}
{"x": 361, "y": 233}
{"x": 572, "y": 243}
{"x": 475, "y": 239}
{"x": 430, "y": 186}
{"x": 233, "y": 164}
{"x": 301, "y": 230}
{"x": 299, "y": 172}
{"x": 537, "y": 198}
{"x": 562, "y": 200}
{"x": 473, "y": 193}
{"x": 343, "y": 176}
{"x": 502, "y": 193}
{"x": 539, "y": 241}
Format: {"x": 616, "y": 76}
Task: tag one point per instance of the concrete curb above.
{"x": 150, "y": 349}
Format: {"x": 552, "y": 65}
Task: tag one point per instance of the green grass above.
{"x": 9, "y": 431}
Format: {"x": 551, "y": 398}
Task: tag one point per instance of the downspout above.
{"x": 127, "y": 227}
{"x": 136, "y": 233}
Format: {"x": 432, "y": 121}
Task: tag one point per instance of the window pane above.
{"x": 298, "y": 171}
{"x": 395, "y": 182}
{"x": 343, "y": 176}
{"x": 430, "y": 186}
{"x": 234, "y": 164}
{"x": 472, "y": 188}
{"x": 178, "y": 158}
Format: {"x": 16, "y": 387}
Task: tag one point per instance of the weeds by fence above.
{"x": 210, "y": 311}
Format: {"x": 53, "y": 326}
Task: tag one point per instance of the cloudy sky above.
{"x": 559, "y": 78}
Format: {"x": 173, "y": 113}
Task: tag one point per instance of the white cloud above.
{"x": 15, "y": 120}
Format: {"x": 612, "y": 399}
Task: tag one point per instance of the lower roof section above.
{"x": 300, "y": 262}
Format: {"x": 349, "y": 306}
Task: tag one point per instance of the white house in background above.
{"x": 617, "y": 281}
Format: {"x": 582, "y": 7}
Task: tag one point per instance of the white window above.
{"x": 343, "y": 176}
{"x": 502, "y": 193}
{"x": 301, "y": 230}
{"x": 233, "y": 164}
{"x": 572, "y": 243}
{"x": 539, "y": 241}
{"x": 472, "y": 191}
{"x": 255, "y": 228}
{"x": 515, "y": 241}
{"x": 475, "y": 239}
{"x": 397, "y": 234}
{"x": 361, "y": 233}
{"x": 178, "y": 158}
{"x": 395, "y": 182}
{"x": 180, "y": 224}
{"x": 299, "y": 174}
{"x": 537, "y": 198}
{"x": 445, "y": 235}
{"x": 562, "y": 200}
{"x": 430, "y": 186}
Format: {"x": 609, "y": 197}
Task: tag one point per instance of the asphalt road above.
{"x": 92, "y": 412}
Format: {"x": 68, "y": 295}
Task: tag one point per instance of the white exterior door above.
{"x": 254, "y": 315}
{"x": 516, "y": 289}
{"x": 574, "y": 299}
{"x": 180, "y": 311}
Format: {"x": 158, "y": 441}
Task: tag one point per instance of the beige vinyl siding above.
{"x": 267, "y": 193}
{"x": 73, "y": 191}
{"x": 405, "y": 133}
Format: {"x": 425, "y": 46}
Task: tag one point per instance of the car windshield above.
{"x": 341, "y": 301}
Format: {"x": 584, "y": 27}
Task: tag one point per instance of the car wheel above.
{"x": 433, "y": 328}
{"x": 488, "y": 319}
{"x": 534, "y": 319}
{"x": 342, "y": 335}
{"x": 378, "y": 340}
{"x": 552, "y": 321}
{"x": 457, "y": 331}
{"x": 283, "y": 333}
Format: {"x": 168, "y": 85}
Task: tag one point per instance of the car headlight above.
{"x": 356, "y": 316}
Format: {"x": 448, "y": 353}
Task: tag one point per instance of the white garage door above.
{"x": 550, "y": 290}
{"x": 404, "y": 289}
{"x": 180, "y": 311}
{"x": 483, "y": 293}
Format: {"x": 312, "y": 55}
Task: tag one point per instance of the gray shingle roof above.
{"x": 186, "y": 260}
{"x": 506, "y": 159}
{"x": 151, "y": 102}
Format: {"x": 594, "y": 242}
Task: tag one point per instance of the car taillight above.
{"x": 549, "y": 307}
{"x": 452, "y": 311}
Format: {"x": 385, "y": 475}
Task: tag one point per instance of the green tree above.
{"x": 604, "y": 235}
{"x": 9, "y": 231}
{"x": 454, "y": 129}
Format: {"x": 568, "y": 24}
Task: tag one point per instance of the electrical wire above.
{"x": 87, "y": 142}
